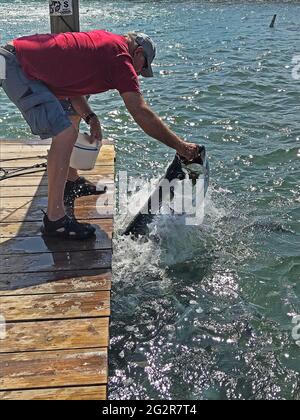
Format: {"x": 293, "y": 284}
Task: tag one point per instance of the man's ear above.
{"x": 139, "y": 49}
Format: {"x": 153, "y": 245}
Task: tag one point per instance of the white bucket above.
{"x": 84, "y": 154}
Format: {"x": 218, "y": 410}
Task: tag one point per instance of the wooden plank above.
{"x": 25, "y": 180}
{"x": 32, "y": 143}
{"x": 53, "y": 369}
{"x": 33, "y": 214}
{"x": 105, "y": 160}
{"x": 16, "y": 158}
{"x": 33, "y": 229}
{"x": 55, "y": 282}
{"x": 101, "y": 171}
{"x": 56, "y": 335}
{"x": 37, "y": 190}
{"x": 19, "y": 149}
{"x": 33, "y": 156}
{"x": 55, "y": 261}
{"x": 61, "y": 306}
{"x": 42, "y": 200}
{"x": 42, "y": 180}
{"x": 39, "y": 245}
{"x": 87, "y": 393}
{"x": 23, "y": 191}
{"x": 15, "y": 153}
{"x": 21, "y": 163}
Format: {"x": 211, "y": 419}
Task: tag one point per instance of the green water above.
{"x": 206, "y": 313}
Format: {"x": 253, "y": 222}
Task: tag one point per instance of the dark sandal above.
{"x": 82, "y": 187}
{"x": 67, "y": 228}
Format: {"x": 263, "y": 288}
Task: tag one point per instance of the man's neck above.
{"x": 131, "y": 45}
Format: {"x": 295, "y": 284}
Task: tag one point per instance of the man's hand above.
{"x": 188, "y": 150}
{"x": 83, "y": 109}
{"x": 95, "y": 129}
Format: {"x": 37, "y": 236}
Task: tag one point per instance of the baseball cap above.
{"x": 148, "y": 45}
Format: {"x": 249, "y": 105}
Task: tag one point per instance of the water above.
{"x": 207, "y": 312}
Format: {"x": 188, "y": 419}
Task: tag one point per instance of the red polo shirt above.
{"x": 78, "y": 63}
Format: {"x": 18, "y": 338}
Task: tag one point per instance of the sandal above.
{"x": 67, "y": 228}
{"x": 82, "y": 187}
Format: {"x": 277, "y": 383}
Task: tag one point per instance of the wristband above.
{"x": 88, "y": 118}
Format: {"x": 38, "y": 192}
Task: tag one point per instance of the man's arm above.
{"x": 81, "y": 106}
{"x": 152, "y": 125}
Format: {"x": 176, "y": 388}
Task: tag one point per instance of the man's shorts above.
{"x": 40, "y": 108}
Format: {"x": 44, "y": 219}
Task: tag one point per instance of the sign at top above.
{"x": 61, "y": 7}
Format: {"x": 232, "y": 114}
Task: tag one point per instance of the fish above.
{"x": 178, "y": 170}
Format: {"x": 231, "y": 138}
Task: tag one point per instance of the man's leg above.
{"x": 58, "y": 166}
{"x": 73, "y": 173}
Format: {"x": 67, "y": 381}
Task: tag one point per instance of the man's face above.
{"x": 139, "y": 60}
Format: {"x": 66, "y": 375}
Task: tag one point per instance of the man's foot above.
{"x": 67, "y": 228}
{"x": 80, "y": 188}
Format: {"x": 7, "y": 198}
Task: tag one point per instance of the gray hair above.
{"x": 131, "y": 36}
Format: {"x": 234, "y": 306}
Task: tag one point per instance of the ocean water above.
{"x": 205, "y": 312}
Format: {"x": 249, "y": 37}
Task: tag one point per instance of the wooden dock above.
{"x": 54, "y": 295}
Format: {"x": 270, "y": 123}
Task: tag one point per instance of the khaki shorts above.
{"x": 38, "y": 105}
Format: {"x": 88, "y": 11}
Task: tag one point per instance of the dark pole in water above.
{"x": 64, "y": 16}
{"x": 273, "y": 21}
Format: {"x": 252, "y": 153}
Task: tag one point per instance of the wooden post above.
{"x": 273, "y": 21}
{"x": 64, "y": 16}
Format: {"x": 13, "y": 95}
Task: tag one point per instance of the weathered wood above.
{"x": 37, "y": 155}
{"x": 42, "y": 180}
{"x": 23, "y": 191}
{"x": 106, "y": 160}
{"x": 54, "y": 295}
{"x": 10, "y": 155}
{"x": 55, "y": 335}
{"x": 55, "y": 261}
{"x": 33, "y": 229}
{"x": 38, "y": 245}
{"x": 53, "y": 369}
{"x": 37, "y": 190}
{"x": 33, "y": 214}
{"x": 18, "y": 148}
{"x": 60, "y": 306}
{"x": 87, "y": 393}
{"x": 55, "y": 282}
{"x": 41, "y": 200}
{"x": 14, "y": 153}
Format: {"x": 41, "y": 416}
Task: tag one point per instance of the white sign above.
{"x": 61, "y": 7}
